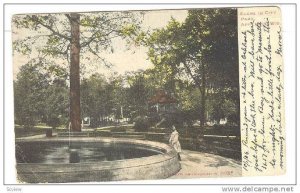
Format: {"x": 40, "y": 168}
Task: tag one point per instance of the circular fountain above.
{"x": 62, "y": 160}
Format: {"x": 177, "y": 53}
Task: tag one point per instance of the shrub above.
{"x": 28, "y": 122}
{"x": 142, "y": 123}
{"x": 53, "y": 122}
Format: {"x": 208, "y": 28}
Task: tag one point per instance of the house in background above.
{"x": 162, "y": 103}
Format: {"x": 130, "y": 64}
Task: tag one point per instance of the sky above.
{"x": 123, "y": 60}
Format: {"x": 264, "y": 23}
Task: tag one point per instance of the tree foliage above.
{"x": 50, "y": 35}
{"x": 195, "y": 61}
{"x": 76, "y": 38}
{"x": 40, "y": 94}
{"x": 204, "y": 48}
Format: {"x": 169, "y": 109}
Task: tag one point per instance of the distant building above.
{"x": 161, "y": 102}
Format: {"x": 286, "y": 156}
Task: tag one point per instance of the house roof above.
{"x": 161, "y": 97}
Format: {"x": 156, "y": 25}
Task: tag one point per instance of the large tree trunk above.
{"x": 202, "y": 112}
{"x": 74, "y": 73}
{"x": 203, "y": 98}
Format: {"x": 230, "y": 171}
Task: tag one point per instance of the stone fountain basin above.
{"x": 159, "y": 166}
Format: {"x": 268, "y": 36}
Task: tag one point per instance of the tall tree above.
{"x": 73, "y": 37}
{"x": 30, "y": 93}
{"x": 204, "y": 47}
{"x": 75, "y": 118}
{"x": 96, "y": 98}
{"x": 137, "y": 92}
{"x": 57, "y": 93}
{"x": 37, "y": 88}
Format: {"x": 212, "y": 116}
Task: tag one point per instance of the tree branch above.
{"x": 192, "y": 76}
{"x": 99, "y": 57}
{"x": 93, "y": 37}
{"x": 35, "y": 18}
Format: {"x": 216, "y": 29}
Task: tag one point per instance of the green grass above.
{"x": 223, "y": 130}
{"x": 36, "y": 130}
{"x": 184, "y": 131}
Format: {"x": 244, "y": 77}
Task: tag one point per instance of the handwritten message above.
{"x": 261, "y": 91}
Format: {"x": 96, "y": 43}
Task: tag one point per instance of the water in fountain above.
{"x": 79, "y": 152}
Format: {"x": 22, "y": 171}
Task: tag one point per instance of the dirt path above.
{"x": 197, "y": 165}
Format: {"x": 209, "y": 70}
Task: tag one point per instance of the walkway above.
{"x": 203, "y": 165}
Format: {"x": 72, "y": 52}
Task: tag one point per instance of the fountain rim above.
{"x": 169, "y": 153}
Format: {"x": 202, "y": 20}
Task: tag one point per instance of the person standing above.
{"x": 174, "y": 141}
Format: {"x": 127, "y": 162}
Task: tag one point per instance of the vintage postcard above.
{"x": 152, "y": 94}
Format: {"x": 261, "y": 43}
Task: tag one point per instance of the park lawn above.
{"x": 221, "y": 130}
{"x": 185, "y": 132}
{"x": 36, "y": 130}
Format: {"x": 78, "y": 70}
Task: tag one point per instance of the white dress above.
{"x": 174, "y": 142}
